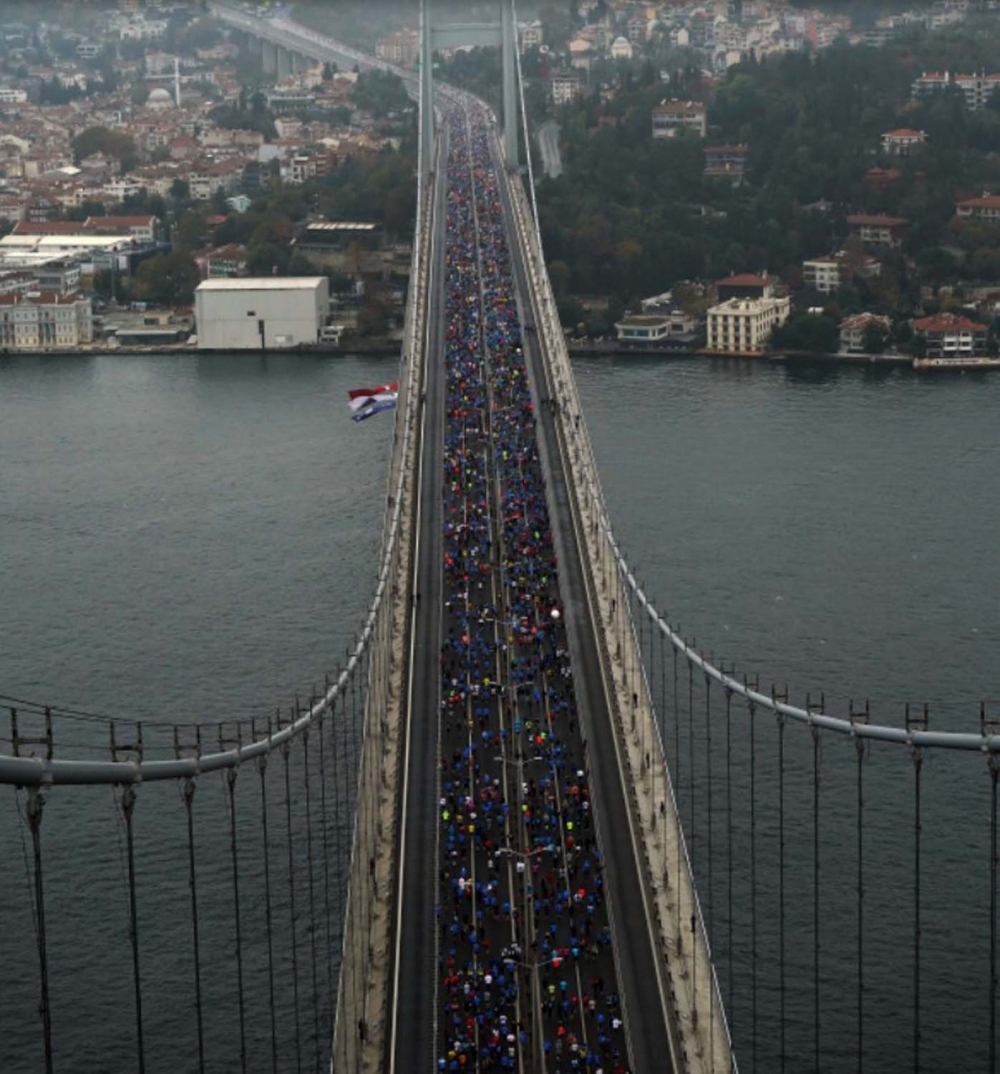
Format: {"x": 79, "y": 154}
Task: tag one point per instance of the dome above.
{"x": 159, "y": 99}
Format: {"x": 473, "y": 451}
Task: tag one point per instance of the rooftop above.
{"x": 876, "y": 220}
{"x": 263, "y": 283}
{"x": 948, "y": 322}
{"x": 747, "y": 279}
{"x": 341, "y": 225}
{"x": 665, "y": 107}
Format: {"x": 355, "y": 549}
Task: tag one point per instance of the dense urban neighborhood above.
{"x": 718, "y": 177}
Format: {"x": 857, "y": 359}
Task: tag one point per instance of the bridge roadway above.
{"x": 413, "y": 1042}
{"x": 416, "y": 1039}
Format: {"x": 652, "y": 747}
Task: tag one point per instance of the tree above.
{"x": 873, "y": 338}
{"x": 381, "y": 92}
{"x": 191, "y": 230}
{"x": 268, "y": 259}
{"x": 104, "y": 283}
{"x": 180, "y": 190}
{"x": 88, "y": 208}
{"x": 110, "y": 143}
{"x": 203, "y": 33}
{"x": 168, "y": 279}
{"x": 373, "y": 319}
{"x": 818, "y": 334}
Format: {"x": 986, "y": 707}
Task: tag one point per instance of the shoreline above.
{"x": 611, "y": 350}
{"x": 373, "y": 349}
{"x": 386, "y": 349}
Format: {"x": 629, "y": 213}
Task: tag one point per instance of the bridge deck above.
{"x": 523, "y": 972}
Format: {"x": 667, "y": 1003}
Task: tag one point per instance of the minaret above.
{"x": 177, "y": 81}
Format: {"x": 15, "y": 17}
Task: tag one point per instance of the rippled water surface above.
{"x": 186, "y": 538}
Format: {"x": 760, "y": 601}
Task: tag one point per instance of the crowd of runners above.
{"x": 526, "y": 968}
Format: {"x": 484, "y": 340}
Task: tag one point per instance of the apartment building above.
{"x": 986, "y": 207}
{"x": 670, "y": 118}
{"x": 37, "y": 320}
{"x": 977, "y": 88}
{"x": 951, "y": 335}
{"x": 877, "y": 229}
{"x": 744, "y": 325}
{"x": 567, "y": 86}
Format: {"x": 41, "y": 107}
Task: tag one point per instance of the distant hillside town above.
{"x": 144, "y": 150}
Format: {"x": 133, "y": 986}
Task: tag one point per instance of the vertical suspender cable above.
{"x": 231, "y": 775}
{"x": 338, "y": 785}
{"x": 994, "y": 772}
{"x": 663, "y": 743}
{"x": 326, "y": 854}
{"x": 711, "y": 896}
{"x": 753, "y": 886}
{"x": 128, "y": 807}
{"x": 262, "y": 769}
{"x": 816, "y": 1003}
{"x": 694, "y": 832}
{"x": 781, "y": 882}
{"x": 312, "y": 901}
{"x": 917, "y": 764}
{"x": 286, "y": 750}
{"x": 353, "y": 890}
{"x": 189, "y": 789}
{"x": 677, "y": 797}
{"x": 693, "y": 839}
{"x": 708, "y": 788}
{"x": 860, "y": 747}
{"x": 36, "y": 803}
{"x": 729, "y": 855}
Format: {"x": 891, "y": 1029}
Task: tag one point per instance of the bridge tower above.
{"x": 503, "y": 34}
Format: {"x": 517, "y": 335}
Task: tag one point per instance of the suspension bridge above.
{"x": 526, "y": 824}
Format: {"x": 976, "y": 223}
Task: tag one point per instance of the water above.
{"x": 183, "y": 537}
{"x": 834, "y": 529}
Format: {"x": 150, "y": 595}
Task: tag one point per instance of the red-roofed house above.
{"x": 746, "y": 285}
{"x": 985, "y": 208}
{"x": 882, "y": 178}
{"x": 951, "y": 335}
{"x": 141, "y": 228}
{"x": 853, "y": 329}
{"x": 903, "y": 142}
{"x": 877, "y": 229}
{"x": 48, "y": 227}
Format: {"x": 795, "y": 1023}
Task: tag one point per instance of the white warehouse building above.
{"x": 270, "y": 312}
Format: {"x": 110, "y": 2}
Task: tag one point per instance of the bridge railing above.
{"x": 361, "y": 1019}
